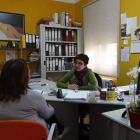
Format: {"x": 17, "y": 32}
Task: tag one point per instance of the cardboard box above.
{"x": 44, "y": 22}
{"x": 45, "y": 18}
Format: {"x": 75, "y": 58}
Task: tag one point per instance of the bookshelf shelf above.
{"x": 61, "y": 42}
{"x": 58, "y": 71}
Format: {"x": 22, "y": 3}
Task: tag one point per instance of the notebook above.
{"x": 72, "y": 95}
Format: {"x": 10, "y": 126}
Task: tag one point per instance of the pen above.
{"x": 41, "y": 92}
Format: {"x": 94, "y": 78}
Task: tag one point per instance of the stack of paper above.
{"x": 72, "y": 95}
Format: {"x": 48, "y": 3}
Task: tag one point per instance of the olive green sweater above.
{"x": 90, "y": 81}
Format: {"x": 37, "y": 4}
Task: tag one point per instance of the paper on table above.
{"x": 39, "y": 91}
{"x": 72, "y": 95}
{"x": 32, "y": 83}
{"x": 131, "y": 23}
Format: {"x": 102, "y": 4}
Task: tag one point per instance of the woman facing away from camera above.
{"x": 19, "y": 102}
{"x": 81, "y": 77}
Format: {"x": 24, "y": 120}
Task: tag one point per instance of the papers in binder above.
{"x": 72, "y": 95}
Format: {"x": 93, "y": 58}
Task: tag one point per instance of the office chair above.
{"x": 85, "y": 110}
{"x": 26, "y": 130}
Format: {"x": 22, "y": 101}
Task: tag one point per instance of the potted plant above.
{"x": 134, "y": 110}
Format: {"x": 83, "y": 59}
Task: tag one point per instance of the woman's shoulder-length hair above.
{"x": 14, "y": 79}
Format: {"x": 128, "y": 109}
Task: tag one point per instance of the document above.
{"x": 135, "y": 48}
{"x": 125, "y": 54}
{"x": 32, "y": 83}
{"x": 131, "y": 23}
{"x": 123, "y": 18}
{"x": 39, "y": 91}
{"x": 72, "y": 95}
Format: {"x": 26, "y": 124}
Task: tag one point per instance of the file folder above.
{"x": 72, "y": 36}
{"x": 67, "y": 19}
{"x": 75, "y": 36}
{"x": 62, "y": 18}
{"x": 75, "y": 49}
{"x": 69, "y": 50}
{"x": 53, "y": 50}
{"x": 30, "y": 41}
{"x": 63, "y": 66}
{"x": 23, "y": 41}
{"x": 33, "y": 42}
{"x": 72, "y": 52}
{"x": 47, "y": 49}
{"x": 52, "y": 34}
{"x": 53, "y": 64}
{"x": 66, "y": 35}
{"x": 27, "y": 40}
{"x": 56, "y": 36}
{"x": 66, "y": 50}
{"x": 56, "y": 50}
{"x": 47, "y": 64}
{"x": 37, "y": 42}
{"x": 56, "y": 63}
{"x": 59, "y": 35}
{"x": 46, "y": 34}
{"x": 59, "y": 64}
{"x": 50, "y": 49}
{"x": 59, "y": 49}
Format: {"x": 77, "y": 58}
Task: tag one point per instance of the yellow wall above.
{"x": 33, "y": 11}
{"x": 132, "y": 9}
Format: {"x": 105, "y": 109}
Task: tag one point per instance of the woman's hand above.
{"x": 73, "y": 86}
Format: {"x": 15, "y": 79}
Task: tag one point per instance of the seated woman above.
{"x": 18, "y": 101}
{"x": 81, "y": 77}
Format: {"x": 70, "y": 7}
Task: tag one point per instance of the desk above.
{"x": 67, "y": 112}
{"x": 121, "y": 129}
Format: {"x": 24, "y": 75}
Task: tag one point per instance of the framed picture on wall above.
{"x": 12, "y": 25}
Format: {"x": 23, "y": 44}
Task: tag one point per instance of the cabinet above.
{"x": 19, "y": 52}
{"x": 53, "y": 37}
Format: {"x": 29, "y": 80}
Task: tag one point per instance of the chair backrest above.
{"x": 22, "y": 130}
{"x": 99, "y": 79}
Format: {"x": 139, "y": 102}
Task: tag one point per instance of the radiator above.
{"x": 104, "y": 80}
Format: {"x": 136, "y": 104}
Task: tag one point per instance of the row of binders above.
{"x": 60, "y": 35}
{"x": 53, "y": 64}
{"x": 30, "y": 41}
{"x": 61, "y": 50}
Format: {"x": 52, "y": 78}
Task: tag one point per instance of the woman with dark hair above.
{"x": 81, "y": 77}
{"x": 18, "y": 101}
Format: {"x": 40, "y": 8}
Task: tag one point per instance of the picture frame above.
{"x": 12, "y": 25}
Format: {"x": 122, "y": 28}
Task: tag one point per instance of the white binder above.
{"x": 72, "y": 50}
{"x": 60, "y": 50}
{"x": 62, "y": 18}
{"x": 47, "y": 64}
{"x": 67, "y": 19}
{"x": 56, "y": 63}
{"x": 51, "y": 64}
{"x": 50, "y": 49}
{"x": 53, "y": 50}
{"x": 55, "y": 16}
{"x": 46, "y": 34}
{"x": 59, "y": 65}
{"x": 52, "y": 34}
{"x": 59, "y": 35}
{"x": 56, "y": 36}
{"x": 66, "y": 50}
{"x": 63, "y": 66}
{"x": 69, "y": 50}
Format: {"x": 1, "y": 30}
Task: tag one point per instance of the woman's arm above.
{"x": 90, "y": 81}
{"x": 42, "y": 108}
{"x": 62, "y": 83}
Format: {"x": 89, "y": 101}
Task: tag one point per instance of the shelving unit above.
{"x": 19, "y": 52}
{"x": 40, "y": 30}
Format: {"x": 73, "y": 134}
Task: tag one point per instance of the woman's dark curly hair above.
{"x": 82, "y": 57}
{"x": 138, "y": 30}
{"x": 14, "y": 79}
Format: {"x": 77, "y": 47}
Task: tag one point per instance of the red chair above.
{"x": 26, "y": 130}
